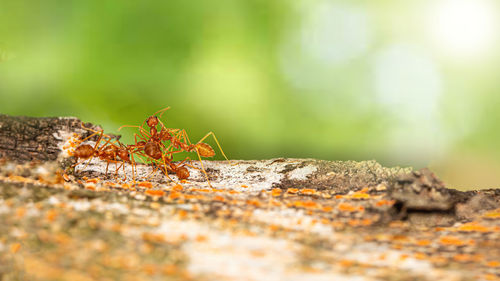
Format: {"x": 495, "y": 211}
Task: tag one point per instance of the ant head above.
{"x": 152, "y": 121}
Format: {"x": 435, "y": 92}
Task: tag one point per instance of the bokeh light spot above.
{"x": 464, "y": 28}
{"x": 408, "y": 86}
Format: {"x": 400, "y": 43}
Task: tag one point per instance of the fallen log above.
{"x": 271, "y": 219}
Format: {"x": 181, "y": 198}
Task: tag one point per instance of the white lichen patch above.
{"x": 248, "y": 176}
{"x": 302, "y": 173}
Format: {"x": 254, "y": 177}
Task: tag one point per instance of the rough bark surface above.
{"x": 276, "y": 219}
{"x": 28, "y": 138}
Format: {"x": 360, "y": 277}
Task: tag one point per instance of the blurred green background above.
{"x": 403, "y": 82}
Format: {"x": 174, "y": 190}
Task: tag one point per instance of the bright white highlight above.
{"x": 464, "y": 28}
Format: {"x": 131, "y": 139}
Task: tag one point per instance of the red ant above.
{"x": 108, "y": 152}
{"x": 153, "y": 143}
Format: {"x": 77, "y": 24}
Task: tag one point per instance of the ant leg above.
{"x": 162, "y": 111}
{"x": 155, "y": 169}
{"x": 184, "y": 135}
{"x": 141, "y": 130}
{"x": 133, "y": 168}
{"x": 203, "y": 168}
{"x": 165, "y": 165}
{"x": 93, "y": 134}
{"x": 118, "y": 168}
{"x": 213, "y": 135}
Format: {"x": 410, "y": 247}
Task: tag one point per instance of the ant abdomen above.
{"x": 152, "y": 149}
{"x": 84, "y": 151}
{"x": 182, "y": 173}
{"x": 204, "y": 149}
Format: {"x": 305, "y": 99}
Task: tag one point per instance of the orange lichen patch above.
{"x": 397, "y": 246}
{"x": 400, "y": 238}
{"x": 93, "y": 180}
{"x": 174, "y": 195}
{"x": 125, "y": 186}
{"x": 398, "y": 224}
{"x": 90, "y": 186}
{"x": 169, "y": 269}
{"x": 310, "y": 204}
{"x": 473, "y": 227}
{"x": 364, "y": 222}
{"x": 462, "y": 258}
{"x": 438, "y": 260}
{"x": 308, "y": 191}
{"x": 325, "y": 221}
{"x": 346, "y": 263}
{"x": 345, "y": 207}
{"x": 219, "y": 198}
{"x": 451, "y": 240}
{"x": 404, "y": 257}
{"x": 490, "y": 277}
{"x": 14, "y": 248}
{"x": 360, "y": 195}
{"x": 257, "y": 253}
{"x": 292, "y": 190}
{"x": 177, "y": 187}
{"x": 153, "y": 237}
{"x": 154, "y": 192}
{"x": 116, "y": 227}
{"x": 420, "y": 256}
{"x": 493, "y": 264}
{"x": 244, "y": 186}
{"x": 423, "y": 242}
{"x": 20, "y": 212}
{"x": 62, "y": 238}
{"x": 327, "y": 209}
{"x": 385, "y": 203}
{"x": 201, "y": 238}
{"x": 223, "y": 213}
{"x": 495, "y": 214}
{"x": 275, "y": 203}
{"x": 234, "y": 192}
{"x": 304, "y": 204}
{"x": 364, "y": 190}
{"x": 145, "y": 184}
{"x": 253, "y": 202}
{"x": 15, "y": 178}
{"x": 201, "y": 190}
{"x": 149, "y": 269}
{"x": 51, "y": 215}
{"x": 276, "y": 192}
{"x": 337, "y": 224}
{"x": 274, "y": 227}
{"x": 339, "y": 196}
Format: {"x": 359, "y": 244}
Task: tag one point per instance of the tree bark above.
{"x": 273, "y": 219}
{"x": 29, "y": 138}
